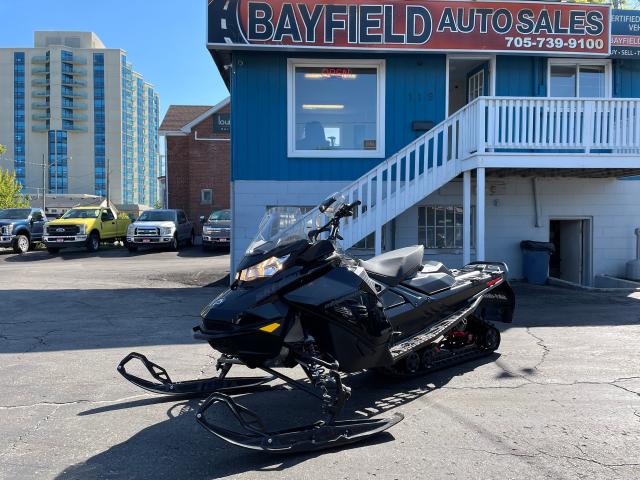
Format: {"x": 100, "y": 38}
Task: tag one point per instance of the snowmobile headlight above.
{"x": 266, "y": 268}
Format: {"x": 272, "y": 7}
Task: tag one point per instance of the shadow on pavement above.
{"x": 106, "y": 251}
{"x": 99, "y": 318}
{"x": 178, "y": 447}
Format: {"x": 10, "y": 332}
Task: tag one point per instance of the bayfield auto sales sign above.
{"x": 411, "y": 25}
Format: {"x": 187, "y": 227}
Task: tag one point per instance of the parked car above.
{"x": 216, "y": 230}
{"x": 85, "y": 227}
{"x": 166, "y": 228}
{"x": 21, "y": 228}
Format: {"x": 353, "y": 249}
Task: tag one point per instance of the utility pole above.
{"x": 44, "y": 185}
{"x": 107, "y": 181}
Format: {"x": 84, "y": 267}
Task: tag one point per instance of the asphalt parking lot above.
{"x": 561, "y": 398}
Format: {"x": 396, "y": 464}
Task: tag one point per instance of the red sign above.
{"x": 532, "y": 27}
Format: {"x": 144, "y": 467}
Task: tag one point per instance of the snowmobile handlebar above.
{"x": 333, "y": 225}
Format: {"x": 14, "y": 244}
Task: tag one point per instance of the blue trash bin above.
{"x": 535, "y": 260}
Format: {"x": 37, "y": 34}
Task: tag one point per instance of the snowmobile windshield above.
{"x": 281, "y": 226}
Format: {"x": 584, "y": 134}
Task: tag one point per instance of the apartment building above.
{"x": 77, "y": 119}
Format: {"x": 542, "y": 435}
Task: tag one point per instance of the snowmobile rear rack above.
{"x": 189, "y": 388}
{"x": 320, "y": 435}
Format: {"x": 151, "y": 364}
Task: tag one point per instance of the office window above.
{"x": 441, "y": 226}
{"x": 336, "y": 108}
{"x": 584, "y": 79}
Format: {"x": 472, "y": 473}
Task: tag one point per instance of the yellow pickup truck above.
{"x": 85, "y": 227}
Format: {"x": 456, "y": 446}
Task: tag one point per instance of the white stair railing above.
{"x": 563, "y": 124}
{"x": 412, "y": 174}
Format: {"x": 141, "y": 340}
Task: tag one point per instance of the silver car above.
{"x": 160, "y": 228}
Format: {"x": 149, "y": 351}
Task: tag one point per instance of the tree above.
{"x": 10, "y": 191}
{"x": 3, "y": 149}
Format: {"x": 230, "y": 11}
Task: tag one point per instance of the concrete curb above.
{"x": 556, "y": 282}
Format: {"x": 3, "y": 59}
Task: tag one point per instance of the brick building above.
{"x": 198, "y": 158}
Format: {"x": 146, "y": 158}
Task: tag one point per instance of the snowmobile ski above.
{"x": 318, "y": 436}
{"x": 192, "y": 388}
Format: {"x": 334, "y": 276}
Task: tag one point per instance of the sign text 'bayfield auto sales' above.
{"x": 401, "y": 25}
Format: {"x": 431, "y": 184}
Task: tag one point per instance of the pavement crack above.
{"x": 588, "y": 459}
{"x": 545, "y": 350}
{"x": 71, "y": 402}
{"x": 583, "y": 458}
{"x": 24, "y": 435}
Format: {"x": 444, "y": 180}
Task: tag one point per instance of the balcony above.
{"x": 74, "y": 117}
{"x": 41, "y": 116}
{"x": 39, "y": 93}
{"x": 75, "y": 95}
{"x": 77, "y": 128}
{"x": 39, "y": 59}
{"x": 39, "y": 70}
{"x": 77, "y": 61}
{"x": 76, "y": 83}
{"x": 36, "y": 82}
{"x": 75, "y": 106}
{"x": 40, "y": 128}
{"x": 552, "y": 125}
{"x": 39, "y": 105}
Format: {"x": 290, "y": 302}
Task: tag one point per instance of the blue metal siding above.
{"x": 626, "y": 78}
{"x": 521, "y": 76}
{"x": 415, "y": 90}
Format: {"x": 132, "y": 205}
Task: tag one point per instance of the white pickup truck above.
{"x": 160, "y": 228}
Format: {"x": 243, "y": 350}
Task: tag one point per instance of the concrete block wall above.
{"x": 251, "y": 199}
{"x": 612, "y": 205}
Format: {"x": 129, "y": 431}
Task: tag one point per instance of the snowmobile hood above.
{"x": 294, "y": 248}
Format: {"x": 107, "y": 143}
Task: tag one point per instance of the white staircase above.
{"x": 410, "y": 175}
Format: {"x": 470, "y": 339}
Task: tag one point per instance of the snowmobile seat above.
{"x": 430, "y": 282}
{"x": 392, "y": 267}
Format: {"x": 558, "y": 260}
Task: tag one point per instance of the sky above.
{"x": 164, "y": 39}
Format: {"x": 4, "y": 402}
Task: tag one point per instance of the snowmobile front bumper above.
{"x": 190, "y": 388}
{"x": 317, "y": 436}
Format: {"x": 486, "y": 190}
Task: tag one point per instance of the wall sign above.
{"x": 533, "y": 27}
{"x": 625, "y": 33}
{"x": 221, "y": 122}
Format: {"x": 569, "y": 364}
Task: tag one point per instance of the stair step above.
{"x": 431, "y": 333}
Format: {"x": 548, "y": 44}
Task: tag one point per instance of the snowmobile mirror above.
{"x": 324, "y": 206}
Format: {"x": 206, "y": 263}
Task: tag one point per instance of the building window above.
{"x": 206, "y": 196}
{"x": 441, "y": 227}
{"x": 19, "y": 152}
{"x": 58, "y": 170}
{"x": 584, "y": 79}
{"x": 99, "y": 148}
{"x": 336, "y": 108}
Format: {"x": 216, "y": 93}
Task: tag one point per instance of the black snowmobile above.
{"x": 298, "y": 300}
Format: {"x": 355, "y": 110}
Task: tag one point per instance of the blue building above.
{"x": 459, "y": 125}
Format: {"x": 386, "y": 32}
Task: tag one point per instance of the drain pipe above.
{"x": 633, "y": 267}
{"x": 536, "y": 203}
